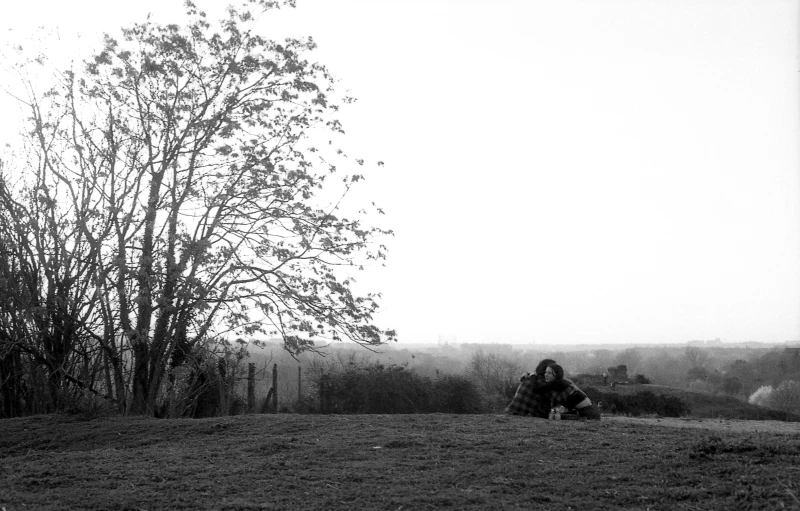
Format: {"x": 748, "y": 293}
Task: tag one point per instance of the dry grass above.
{"x": 397, "y": 462}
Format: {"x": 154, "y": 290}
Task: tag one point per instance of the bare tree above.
{"x": 49, "y": 297}
{"x": 494, "y": 372}
{"x": 786, "y": 398}
{"x": 697, "y": 357}
{"x": 202, "y": 205}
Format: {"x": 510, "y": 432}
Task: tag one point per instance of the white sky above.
{"x": 558, "y": 171}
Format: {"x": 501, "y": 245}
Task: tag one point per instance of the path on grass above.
{"x": 733, "y": 425}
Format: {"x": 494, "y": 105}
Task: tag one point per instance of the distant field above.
{"x": 397, "y": 462}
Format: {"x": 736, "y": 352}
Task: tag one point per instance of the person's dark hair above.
{"x": 558, "y": 371}
{"x": 542, "y": 367}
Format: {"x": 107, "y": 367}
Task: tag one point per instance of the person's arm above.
{"x": 553, "y": 386}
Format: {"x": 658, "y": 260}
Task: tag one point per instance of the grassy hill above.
{"x": 431, "y": 461}
{"x": 703, "y": 404}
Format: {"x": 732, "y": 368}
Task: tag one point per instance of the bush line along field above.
{"x": 469, "y": 379}
{"x": 709, "y": 382}
{"x": 697, "y": 404}
{"x": 432, "y": 461}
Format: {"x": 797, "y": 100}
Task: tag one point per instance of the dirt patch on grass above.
{"x": 732, "y": 425}
{"x": 397, "y": 461}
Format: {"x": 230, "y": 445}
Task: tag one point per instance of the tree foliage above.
{"x": 631, "y": 358}
{"x": 697, "y": 373}
{"x": 786, "y": 398}
{"x": 179, "y": 189}
{"x": 697, "y": 357}
{"x": 761, "y": 396}
{"x": 731, "y": 385}
{"x": 618, "y": 373}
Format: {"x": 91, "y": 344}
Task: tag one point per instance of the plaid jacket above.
{"x": 563, "y": 393}
{"x": 528, "y": 402}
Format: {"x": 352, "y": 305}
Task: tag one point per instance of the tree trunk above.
{"x": 11, "y": 385}
{"x": 107, "y": 374}
{"x": 142, "y": 369}
{"x": 224, "y": 405}
{"x": 275, "y": 386}
{"x": 251, "y": 387}
{"x": 140, "y": 378}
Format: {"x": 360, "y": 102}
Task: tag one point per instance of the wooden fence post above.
{"x": 231, "y": 386}
{"x": 299, "y": 387}
{"x": 223, "y": 386}
{"x": 275, "y": 388}
{"x": 323, "y": 379}
{"x": 251, "y": 387}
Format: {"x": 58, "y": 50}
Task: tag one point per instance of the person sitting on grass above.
{"x": 526, "y": 401}
{"x": 563, "y": 392}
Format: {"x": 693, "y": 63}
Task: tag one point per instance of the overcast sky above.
{"x": 558, "y": 171}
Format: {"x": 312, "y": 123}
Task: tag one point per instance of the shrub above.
{"x": 494, "y": 371}
{"x": 200, "y": 387}
{"x": 456, "y": 394}
{"x": 697, "y": 373}
{"x": 640, "y": 378}
{"x": 373, "y": 389}
{"x": 395, "y": 389}
{"x": 587, "y": 379}
{"x": 642, "y": 402}
{"x": 201, "y": 395}
{"x": 91, "y": 407}
{"x": 760, "y": 396}
{"x": 672, "y": 406}
{"x": 618, "y": 373}
{"x": 786, "y": 397}
{"x": 731, "y": 385}
{"x": 614, "y": 403}
{"x": 308, "y": 404}
{"x": 595, "y": 395}
{"x": 497, "y": 377}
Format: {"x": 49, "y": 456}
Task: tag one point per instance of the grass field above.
{"x": 289, "y": 461}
